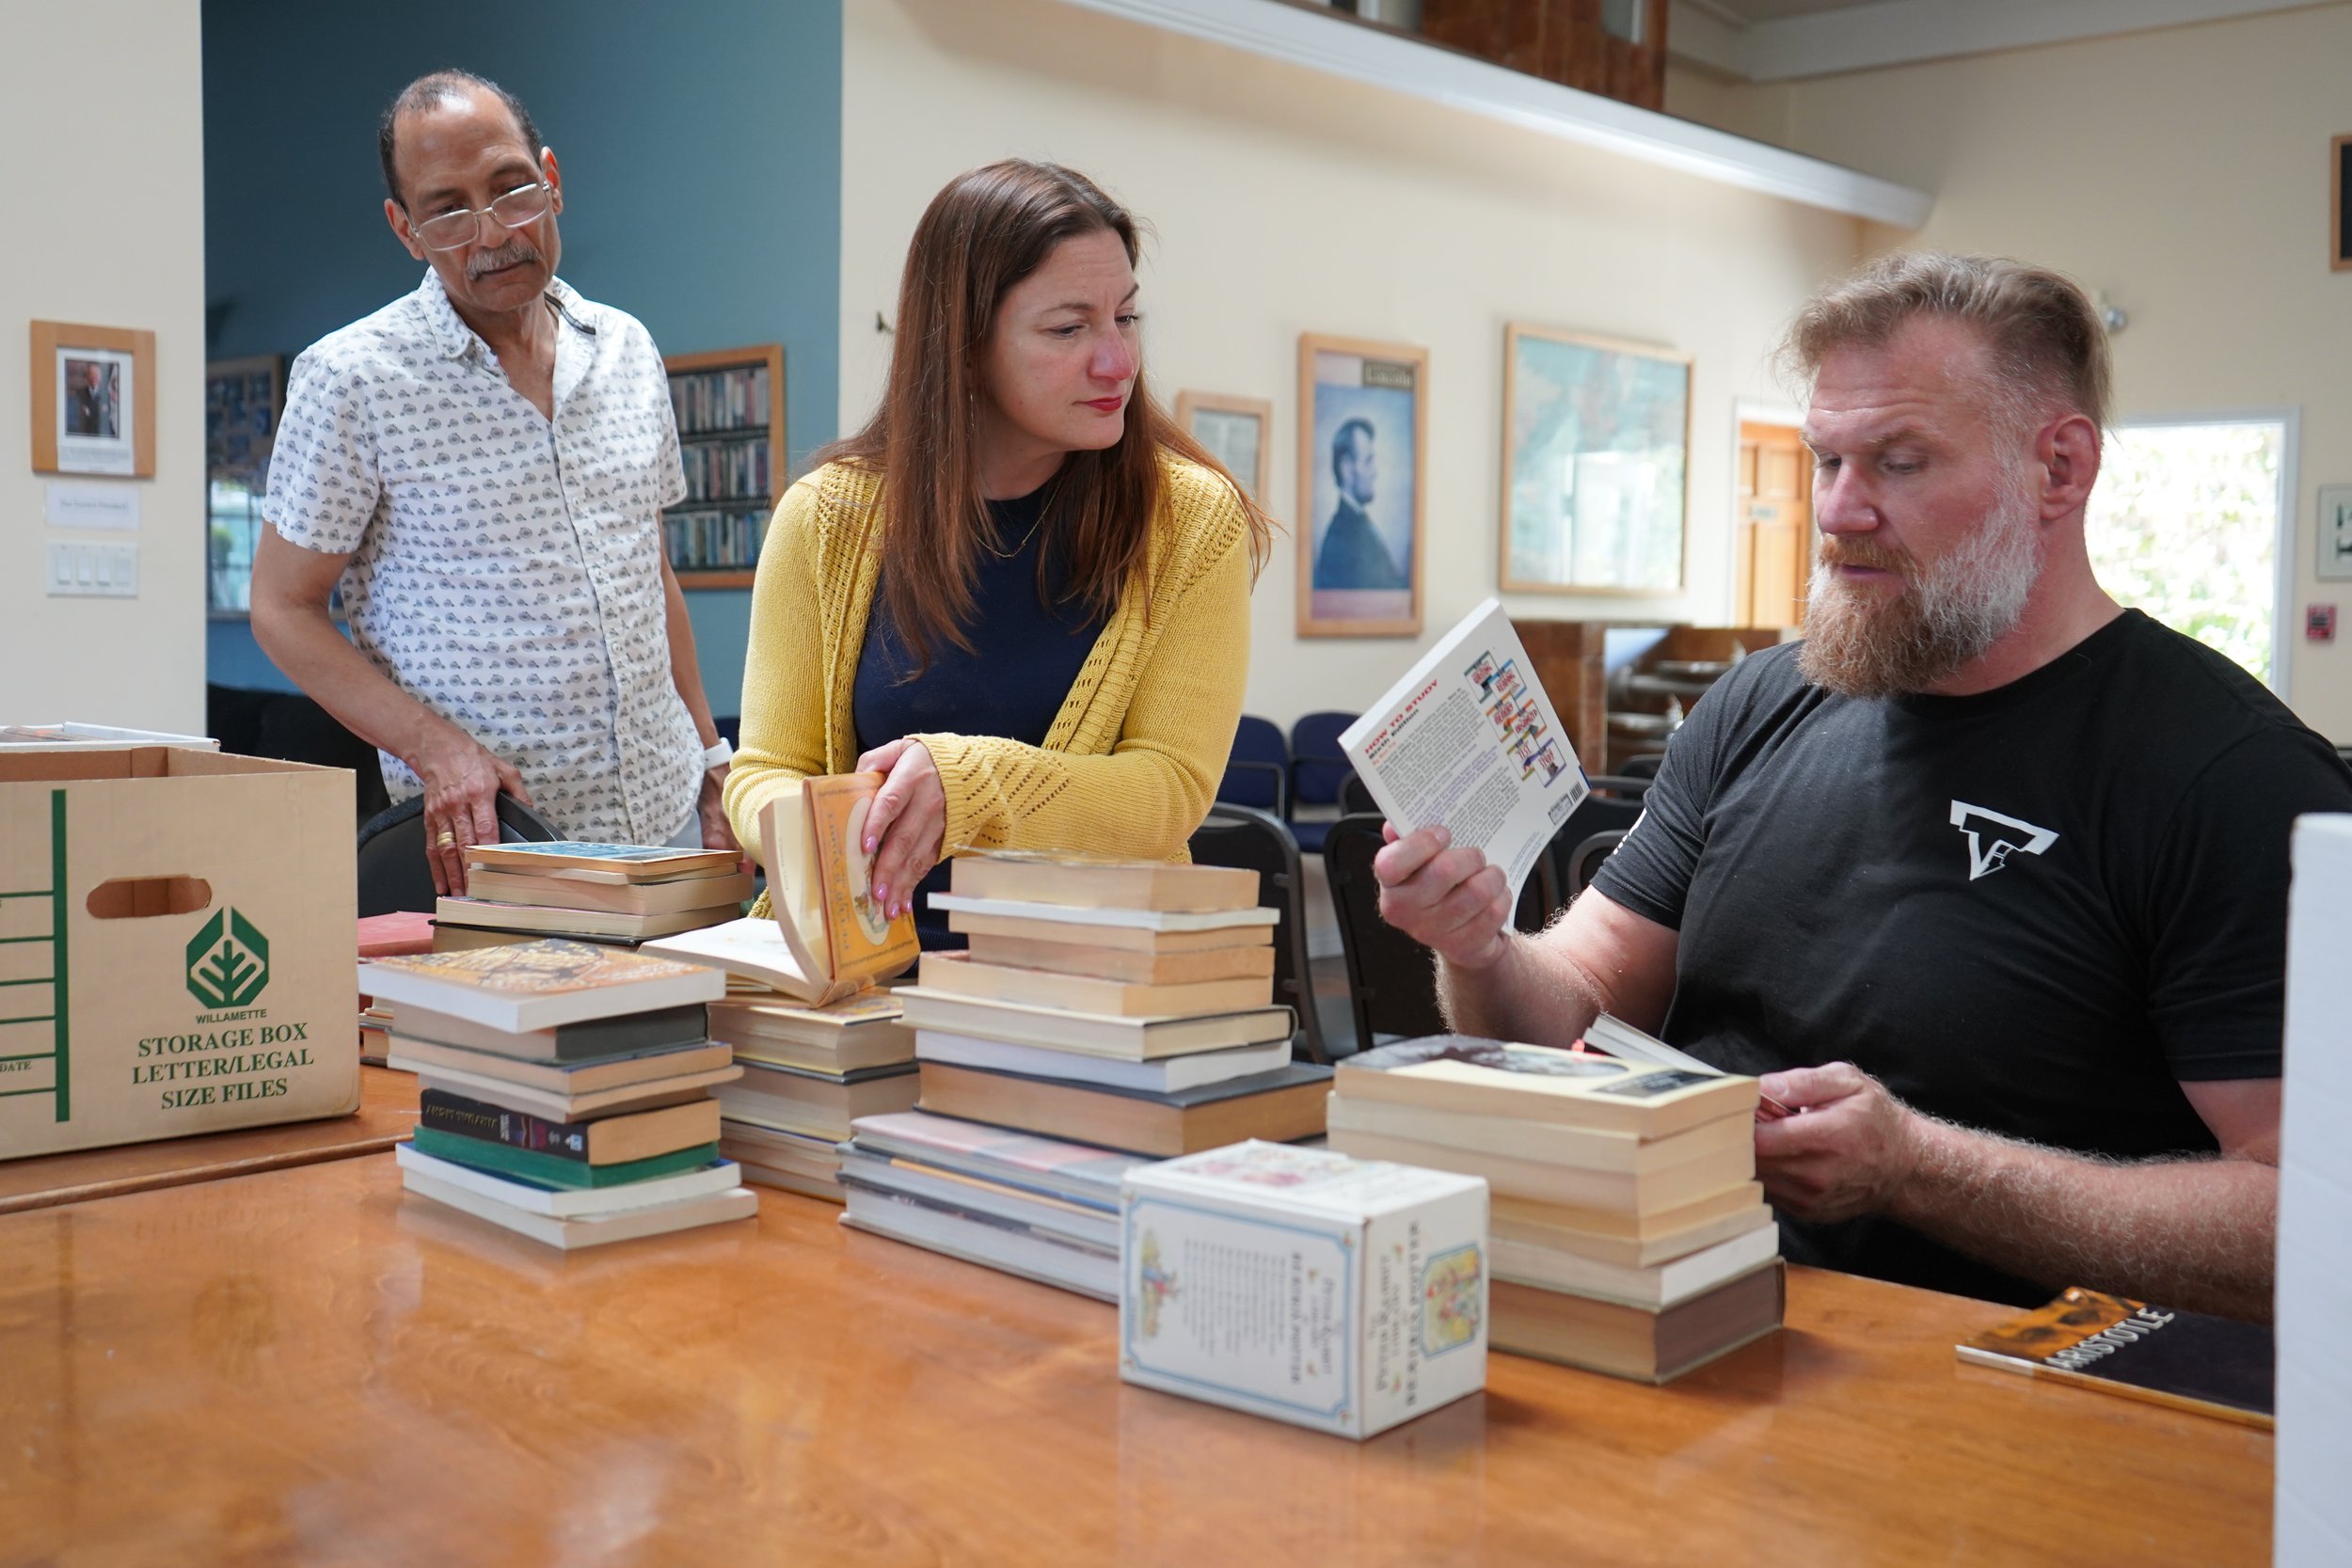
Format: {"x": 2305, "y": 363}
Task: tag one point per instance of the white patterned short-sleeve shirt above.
{"x": 505, "y": 569}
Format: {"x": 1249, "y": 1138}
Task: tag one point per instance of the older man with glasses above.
{"x": 482, "y": 465}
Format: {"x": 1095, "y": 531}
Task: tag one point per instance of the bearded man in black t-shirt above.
{"x": 1987, "y": 877}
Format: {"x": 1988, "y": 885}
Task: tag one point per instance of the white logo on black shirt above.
{"x": 1989, "y": 849}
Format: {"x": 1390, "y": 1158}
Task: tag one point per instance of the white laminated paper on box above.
{"x": 1342, "y": 1294}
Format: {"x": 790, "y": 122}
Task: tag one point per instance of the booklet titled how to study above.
{"x": 1467, "y": 740}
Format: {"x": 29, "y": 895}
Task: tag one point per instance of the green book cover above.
{"x": 552, "y": 1171}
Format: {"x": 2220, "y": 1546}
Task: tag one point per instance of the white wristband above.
{"x": 717, "y": 754}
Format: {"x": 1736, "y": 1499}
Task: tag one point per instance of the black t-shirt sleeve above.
{"x": 1650, "y": 872}
{"x": 2217, "y": 981}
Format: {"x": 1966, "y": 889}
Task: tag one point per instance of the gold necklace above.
{"x": 1044, "y": 512}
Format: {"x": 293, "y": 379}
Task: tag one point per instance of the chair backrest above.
{"x": 1595, "y": 813}
{"x": 1355, "y": 796}
{"x": 1584, "y": 861}
{"x": 1258, "y": 841}
{"x": 1258, "y": 771}
{"x": 392, "y": 870}
{"x": 1318, "y": 767}
{"x": 1642, "y": 767}
{"x": 1625, "y": 786}
{"x": 1392, "y": 979}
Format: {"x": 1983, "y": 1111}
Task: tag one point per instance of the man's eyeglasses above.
{"x": 524, "y": 204}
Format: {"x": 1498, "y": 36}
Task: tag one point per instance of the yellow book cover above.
{"x": 820, "y": 882}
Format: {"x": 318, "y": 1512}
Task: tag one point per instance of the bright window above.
{"x": 2185, "y": 523}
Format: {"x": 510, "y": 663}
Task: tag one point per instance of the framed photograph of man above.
{"x": 1236, "y": 430}
{"x": 93, "y": 400}
{"x": 1363, "y": 450}
{"x": 1596, "y": 458}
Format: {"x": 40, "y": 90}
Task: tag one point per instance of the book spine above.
{"x": 472, "y": 1119}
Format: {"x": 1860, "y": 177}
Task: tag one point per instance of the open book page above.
{"x": 1469, "y": 740}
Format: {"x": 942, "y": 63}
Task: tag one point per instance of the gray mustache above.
{"x": 505, "y": 257}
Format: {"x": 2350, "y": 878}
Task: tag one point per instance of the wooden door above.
{"x": 1774, "y": 531}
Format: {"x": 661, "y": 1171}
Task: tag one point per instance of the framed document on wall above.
{"x": 1235, "y": 431}
{"x": 1363, "y": 449}
{"x": 93, "y": 400}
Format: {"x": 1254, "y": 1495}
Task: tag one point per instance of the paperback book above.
{"x": 2158, "y": 1355}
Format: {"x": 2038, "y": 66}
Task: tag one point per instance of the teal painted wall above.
{"x": 700, "y": 146}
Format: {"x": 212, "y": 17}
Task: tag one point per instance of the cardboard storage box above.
{"x": 175, "y": 945}
{"x": 1346, "y": 1296}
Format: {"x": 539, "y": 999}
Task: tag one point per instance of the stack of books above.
{"x": 565, "y": 1089}
{"x": 1041, "y": 1208}
{"x": 610, "y": 893}
{"x": 386, "y": 936}
{"x": 1107, "y": 1013}
{"x": 1629, "y": 1233}
{"x": 810, "y": 1066}
{"x": 1122, "y": 1004}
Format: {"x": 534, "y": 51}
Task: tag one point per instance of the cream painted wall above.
{"x": 1285, "y": 201}
{"x": 100, "y": 109}
{"x": 2183, "y": 172}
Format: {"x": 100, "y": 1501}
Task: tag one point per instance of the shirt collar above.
{"x": 456, "y": 341}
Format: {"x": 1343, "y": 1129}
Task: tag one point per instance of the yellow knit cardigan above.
{"x": 1135, "y": 754}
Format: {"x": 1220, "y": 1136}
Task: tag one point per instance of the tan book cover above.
{"x": 1543, "y": 1142}
{"x": 1134, "y": 1040}
{"x": 1645, "y": 1194}
{"x": 1660, "y": 1246}
{"x": 574, "y": 922}
{"x": 1126, "y": 939}
{"x": 820, "y": 882}
{"x": 1087, "y": 882}
{"x": 1136, "y": 967}
{"x": 1277, "y": 1106}
{"x": 1523, "y": 1216}
{"x": 956, "y": 974}
{"x": 1634, "y": 1341}
{"x": 415, "y": 1055}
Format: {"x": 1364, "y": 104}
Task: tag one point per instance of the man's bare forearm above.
{"x": 2201, "y": 1234}
{"x": 303, "y": 643}
{"x": 1532, "y": 993}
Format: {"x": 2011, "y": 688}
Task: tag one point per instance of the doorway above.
{"x": 1774, "y": 532}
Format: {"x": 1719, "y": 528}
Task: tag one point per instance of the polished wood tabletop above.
{"x": 386, "y": 1114}
{"x": 304, "y": 1367}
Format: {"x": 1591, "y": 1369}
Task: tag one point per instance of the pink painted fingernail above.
{"x": 869, "y": 843}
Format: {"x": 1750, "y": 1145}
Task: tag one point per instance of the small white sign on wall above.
{"x": 80, "y": 504}
{"x": 2335, "y": 530}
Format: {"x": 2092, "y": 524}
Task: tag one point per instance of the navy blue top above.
{"x": 1027, "y": 653}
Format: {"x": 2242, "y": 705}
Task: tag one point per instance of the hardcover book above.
{"x": 587, "y": 1230}
{"x": 1134, "y": 1040}
{"x": 1642, "y": 1343}
{"x": 1117, "y": 963}
{"x": 559, "y": 1106}
{"x": 1160, "y": 1076}
{"x": 622, "y": 1035}
{"x": 1065, "y": 915}
{"x": 1097, "y": 883}
{"x": 1079, "y": 1172}
{"x": 2160, "y": 1354}
{"x": 1035, "y": 923}
{"x": 553, "y": 1170}
{"x": 568, "y": 1078}
{"x": 539, "y": 984}
{"x": 820, "y": 882}
{"x": 473, "y": 912}
{"x": 1301, "y": 1285}
{"x": 493, "y": 886}
{"x": 570, "y": 1202}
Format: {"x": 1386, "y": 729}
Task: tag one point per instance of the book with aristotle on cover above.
{"x": 2188, "y": 1360}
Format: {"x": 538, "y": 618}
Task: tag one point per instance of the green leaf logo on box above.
{"x": 228, "y": 961}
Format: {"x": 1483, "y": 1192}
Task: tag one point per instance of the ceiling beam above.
{"x": 1336, "y": 45}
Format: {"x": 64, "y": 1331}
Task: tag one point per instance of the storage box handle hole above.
{"x": 137, "y": 897}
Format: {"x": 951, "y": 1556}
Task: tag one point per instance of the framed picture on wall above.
{"x": 1362, "y": 454}
{"x": 93, "y": 400}
{"x": 243, "y": 399}
{"x": 1596, "y": 453}
{"x": 1235, "y": 431}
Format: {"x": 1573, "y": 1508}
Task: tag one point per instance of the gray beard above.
{"x": 1950, "y": 611}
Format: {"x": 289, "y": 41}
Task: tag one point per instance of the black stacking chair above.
{"x": 1355, "y": 796}
{"x": 1258, "y": 771}
{"x": 392, "y": 870}
{"x": 1392, "y": 979}
{"x": 1599, "y": 813}
{"x": 1642, "y": 767}
{"x": 1258, "y": 841}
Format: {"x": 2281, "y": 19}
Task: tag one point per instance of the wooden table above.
{"x": 304, "y": 1368}
{"x": 387, "y": 1110}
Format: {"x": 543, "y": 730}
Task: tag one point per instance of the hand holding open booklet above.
{"x": 1468, "y": 741}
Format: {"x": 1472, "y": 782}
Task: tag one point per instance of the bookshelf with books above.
{"x": 729, "y": 404}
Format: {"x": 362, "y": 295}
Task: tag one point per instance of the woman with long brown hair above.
{"x": 1021, "y": 592}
